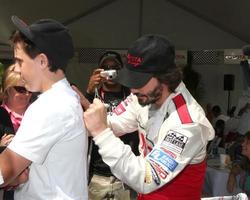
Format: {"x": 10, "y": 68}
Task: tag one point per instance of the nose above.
{"x": 134, "y": 90}
{"x": 17, "y": 68}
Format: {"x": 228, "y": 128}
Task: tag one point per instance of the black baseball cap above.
{"x": 50, "y": 37}
{"x": 110, "y": 55}
{"x": 147, "y": 56}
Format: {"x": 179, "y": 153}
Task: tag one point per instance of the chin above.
{"x": 110, "y": 83}
{"x": 143, "y": 103}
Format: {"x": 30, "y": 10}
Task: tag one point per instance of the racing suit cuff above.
{"x": 103, "y": 136}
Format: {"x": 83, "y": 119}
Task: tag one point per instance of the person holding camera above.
{"x": 101, "y": 84}
{"x": 172, "y": 126}
{"x": 103, "y": 184}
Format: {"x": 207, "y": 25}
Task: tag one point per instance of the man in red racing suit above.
{"x": 172, "y": 126}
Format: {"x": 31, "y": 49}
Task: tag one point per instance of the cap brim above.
{"x": 132, "y": 79}
{"x": 22, "y": 27}
{"x": 109, "y": 57}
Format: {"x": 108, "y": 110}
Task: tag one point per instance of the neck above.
{"x": 164, "y": 96}
{"x": 50, "y": 78}
{"x": 17, "y": 109}
{"x": 112, "y": 88}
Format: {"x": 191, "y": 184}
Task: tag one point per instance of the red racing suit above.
{"x": 173, "y": 143}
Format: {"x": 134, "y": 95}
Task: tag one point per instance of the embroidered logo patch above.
{"x": 172, "y": 154}
{"x": 134, "y": 60}
{"x": 155, "y": 170}
{"x": 163, "y": 159}
{"x": 174, "y": 142}
{"x": 158, "y": 169}
{"x": 119, "y": 109}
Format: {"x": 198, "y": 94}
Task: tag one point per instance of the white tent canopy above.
{"x": 190, "y": 24}
{"x": 114, "y": 24}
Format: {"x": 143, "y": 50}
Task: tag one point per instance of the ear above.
{"x": 6, "y": 95}
{"x": 43, "y": 60}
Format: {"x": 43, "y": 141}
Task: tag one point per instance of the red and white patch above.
{"x": 134, "y": 60}
{"x": 159, "y": 170}
{"x": 170, "y": 153}
{"x": 119, "y": 109}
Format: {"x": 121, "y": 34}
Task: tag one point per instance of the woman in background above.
{"x": 242, "y": 169}
{"x": 15, "y": 100}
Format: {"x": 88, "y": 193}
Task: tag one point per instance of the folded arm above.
{"x": 12, "y": 167}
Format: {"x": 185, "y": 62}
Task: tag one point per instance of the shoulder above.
{"x": 6, "y": 125}
{"x": 5, "y": 117}
{"x": 54, "y": 104}
{"x": 3, "y": 112}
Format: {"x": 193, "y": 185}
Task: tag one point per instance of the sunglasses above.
{"x": 107, "y": 67}
{"x": 21, "y": 89}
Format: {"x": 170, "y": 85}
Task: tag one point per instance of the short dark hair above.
{"x": 111, "y": 54}
{"x": 30, "y": 49}
{"x": 49, "y": 36}
{"x": 172, "y": 78}
{"x": 216, "y": 110}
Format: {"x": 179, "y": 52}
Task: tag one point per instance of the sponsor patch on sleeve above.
{"x": 164, "y": 160}
{"x": 119, "y": 109}
{"x": 174, "y": 142}
{"x": 155, "y": 175}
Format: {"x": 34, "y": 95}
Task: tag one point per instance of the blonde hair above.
{"x": 10, "y": 78}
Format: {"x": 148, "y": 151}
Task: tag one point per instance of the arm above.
{"x": 124, "y": 117}
{"x": 244, "y": 109}
{"x": 231, "y": 182}
{"x": 83, "y": 100}
{"x": 159, "y": 167}
{"x": 12, "y": 165}
{"x": 94, "y": 81}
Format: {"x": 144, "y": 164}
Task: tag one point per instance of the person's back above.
{"x": 51, "y": 144}
{"x": 48, "y": 177}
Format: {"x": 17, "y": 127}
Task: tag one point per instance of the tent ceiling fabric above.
{"x": 229, "y": 15}
{"x": 30, "y": 11}
{"x": 95, "y": 23}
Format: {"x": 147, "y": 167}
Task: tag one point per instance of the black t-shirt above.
{"x": 6, "y": 125}
{"x": 97, "y": 166}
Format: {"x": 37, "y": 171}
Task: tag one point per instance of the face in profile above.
{"x": 150, "y": 93}
{"x": 246, "y": 147}
{"x": 30, "y": 69}
{"x": 18, "y": 97}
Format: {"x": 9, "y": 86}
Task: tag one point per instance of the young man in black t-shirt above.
{"x": 103, "y": 184}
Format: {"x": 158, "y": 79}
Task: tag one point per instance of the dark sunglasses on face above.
{"x": 21, "y": 89}
{"x": 107, "y": 67}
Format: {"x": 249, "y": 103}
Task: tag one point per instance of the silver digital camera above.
{"x": 109, "y": 74}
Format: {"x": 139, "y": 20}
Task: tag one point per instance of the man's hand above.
{"x": 95, "y": 117}
{"x": 84, "y": 102}
{"x": 94, "y": 81}
{"x": 6, "y": 139}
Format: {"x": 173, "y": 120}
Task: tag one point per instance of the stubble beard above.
{"x": 152, "y": 97}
